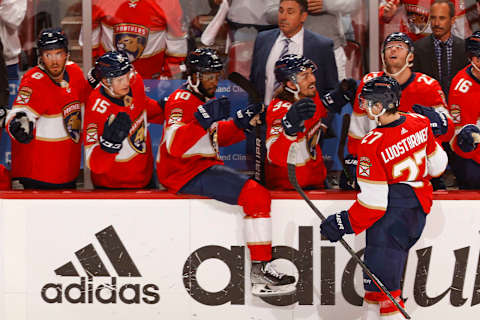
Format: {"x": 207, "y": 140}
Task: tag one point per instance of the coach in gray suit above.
{"x": 292, "y": 38}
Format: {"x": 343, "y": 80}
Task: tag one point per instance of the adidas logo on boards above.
{"x": 92, "y": 288}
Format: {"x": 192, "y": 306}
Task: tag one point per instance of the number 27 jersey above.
{"x": 404, "y": 151}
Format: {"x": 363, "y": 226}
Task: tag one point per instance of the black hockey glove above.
{"x": 116, "y": 129}
{"x": 467, "y": 138}
{"x": 21, "y": 128}
{"x": 335, "y": 226}
{"x": 93, "y": 78}
{"x": 212, "y": 111}
{"x": 343, "y": 94}
{"x": 300, "y": 111}
{"x": 243, "y": 117}
{"x": 348, "y": 177}
{"x": 438, "y": 120}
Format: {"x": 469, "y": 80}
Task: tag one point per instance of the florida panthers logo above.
{"x": 72, "y": 120}
{"x": 214, "y": 138}
{"x": 138, "y": 135}
{"x": 131, "y": 39}
{"x": 456, "y": 113}
{"x": 364, "y": 165}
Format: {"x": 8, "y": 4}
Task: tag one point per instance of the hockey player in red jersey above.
{"x": 189, "y": 162}
{"x": 295, "y": 116}
{"x": 149, "y": 31}
{"x": 45, "y": 121}
{"x": 118, "y": 149}
{"x": 465, "y": 111}
{"x": 395, "y": 162}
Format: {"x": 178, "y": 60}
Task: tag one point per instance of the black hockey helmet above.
{"x": 472, "y": 44}
{"x": 112, "y": 64}
{"x": 203, "y": 60}
{"x": 52, "y": 38}
{"x": 400, "y": 37}
{"x": 383, "y": 89}
{"x": 288, "y": 66}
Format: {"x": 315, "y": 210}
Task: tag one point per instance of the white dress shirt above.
{"x": 295, "y": 47}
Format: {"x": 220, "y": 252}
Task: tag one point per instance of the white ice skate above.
{"x": 268, "y": 282}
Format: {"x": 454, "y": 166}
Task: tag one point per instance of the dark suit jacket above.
{"x": 425, "y": 60}
{"x": 315, "y": 47}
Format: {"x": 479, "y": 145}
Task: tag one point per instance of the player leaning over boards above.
{"x": 395, "y": 163}
{"x": 118, "y": 150}
{"x": 46, "y": 119}
{"x": 196, "y": 126}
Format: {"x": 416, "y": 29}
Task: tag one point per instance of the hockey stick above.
{"x": 292, "y": 177}
{"x": 255, "y": 97}
{"x": 341, "y": 145}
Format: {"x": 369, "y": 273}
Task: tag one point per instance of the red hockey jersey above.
{"x": 464, "y": 98}
{"x": 419, "y": 89}
{"x": 132, "y": 167}
{"x": 187, "y": 149}
{"x": 149, "y": 31}
{"x": 405, "y": 151}
{"x": 311, "y": 171}
{"x": 54, "y": 154}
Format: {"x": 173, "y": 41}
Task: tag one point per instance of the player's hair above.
{"x": 451, "y": 6}
{"x": 302, "y": 3}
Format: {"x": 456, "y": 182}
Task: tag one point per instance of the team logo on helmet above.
{"x": 131, "y": 39}
{"x": 72, "y": 120}
{"x": 138, "y": 135}
{"x": 364, "y": 165}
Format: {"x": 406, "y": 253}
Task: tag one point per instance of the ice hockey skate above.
{"x": 268, "y": 282}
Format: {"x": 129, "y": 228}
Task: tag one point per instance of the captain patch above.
{"x": 364, "y": 165}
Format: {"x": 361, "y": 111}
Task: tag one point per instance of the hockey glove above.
{"x": 93, "y": 78}
{"x": 348, "y": 177}
{"x": 244, "y": 117}
{"x": 300, "y": 111}
{"x": 335, "y": 226}
{"x": 21, "y": 128}
{"x": 467, "y": 138}
{"x": 212, "y": 111}
{"x": 438, "y": 120}
{"x": 116, "y": 129}
{"x": 343, "y": 94}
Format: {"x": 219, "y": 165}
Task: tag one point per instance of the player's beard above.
{"x": 207, "y": 93}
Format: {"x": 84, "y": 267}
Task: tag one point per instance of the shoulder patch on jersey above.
{"x": 176, "y": 116}
{"x": 23, "y": 96}
{"x": 72, "y": 120}
{"x": 364, "y": 165}
{"x": 455, "y": 112}
{"x": 138, "y": 135}
{"x": 276, "y": 127}
{"x": 91, "y": 134}
{"x": 130, "y": 38}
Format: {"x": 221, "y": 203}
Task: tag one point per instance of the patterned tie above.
{"x": 286, "y": 43}
{"x": 444, "y": 68}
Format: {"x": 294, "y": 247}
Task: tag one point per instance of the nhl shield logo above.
{"x": 131, "y": 39}
{"x": 138, "y": 135}
{"x": 72, "y": 120}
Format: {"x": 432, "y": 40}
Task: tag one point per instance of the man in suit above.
{"x": 292, "y": 38}
{"x": 440, "y": 55}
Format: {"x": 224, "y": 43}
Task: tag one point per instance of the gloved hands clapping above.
{"x": 212, "y": 111}
{"x": 438, "y": 120}
{"x": 116, "y": 129}
{"x": 335, "y": 226}
{"x": 343, "y": 94}
{"x": 300, "y": 111}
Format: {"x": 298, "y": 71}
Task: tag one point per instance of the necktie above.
{"x": 286, "y": 43}
{"x": 444, "y": 75}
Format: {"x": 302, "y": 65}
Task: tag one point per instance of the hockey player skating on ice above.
{"x": 45, "y": 121}
{"x": 395, "y": 162}
{"x": 196, "y": 126}
{"x": 118, "y": 149}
